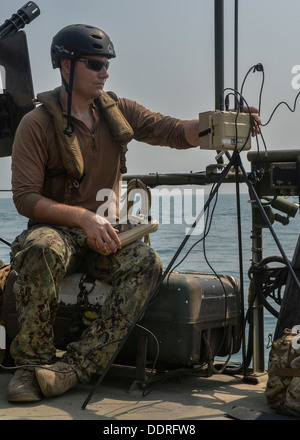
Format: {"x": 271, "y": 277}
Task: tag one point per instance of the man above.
{"x": 65, "y": 234}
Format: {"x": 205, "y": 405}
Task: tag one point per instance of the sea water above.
{"x": 218, "y": 252}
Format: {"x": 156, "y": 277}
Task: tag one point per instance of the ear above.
{"x": 65, "y": 64}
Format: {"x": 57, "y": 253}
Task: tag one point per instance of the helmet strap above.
{"x": 69, "y": 130}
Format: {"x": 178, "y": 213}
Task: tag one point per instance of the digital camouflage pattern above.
{"x": 42, "y": 257}
{"x": 4, "y": 272}
{"x": 283, "y": 390}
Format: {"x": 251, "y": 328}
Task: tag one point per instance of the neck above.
{"x": 81, "y": 107}
{"x": 79, "y": 103}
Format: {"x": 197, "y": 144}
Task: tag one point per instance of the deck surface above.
{"x": 116, "y": 399}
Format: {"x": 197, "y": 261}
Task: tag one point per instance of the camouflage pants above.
{"x": 42, "y": 257}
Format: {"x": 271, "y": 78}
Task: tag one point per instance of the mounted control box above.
{"x": 283, "y": 175}
{"x": 225, "y": 130}
{"x": 276, "y": 172}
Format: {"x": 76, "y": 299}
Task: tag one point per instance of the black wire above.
{"x": 283, "y": 103}
{"x": 259, "y": 67}
{"x": 260, "y": 93}
{"x": 256, "y": 272}
{"x": 28, "y": 366}
{"x": 206, "y": 232}
{"x": 256, "y": 68}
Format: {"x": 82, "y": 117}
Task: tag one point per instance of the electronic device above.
{"x": 225, "y": 130}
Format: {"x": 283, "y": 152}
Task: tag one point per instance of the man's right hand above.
{"x": 101, "y": 235}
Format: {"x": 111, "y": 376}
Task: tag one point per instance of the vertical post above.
{"x": 257, "y": 308}
{"x": 219, "y": 51}
{"x": 257, "y": 311}
{"x": 236, "y": 47}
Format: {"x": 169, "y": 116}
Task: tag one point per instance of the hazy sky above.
{"x": 165, "y": 61}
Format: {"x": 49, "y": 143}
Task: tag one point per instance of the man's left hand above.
{"x": 256, "y": 121}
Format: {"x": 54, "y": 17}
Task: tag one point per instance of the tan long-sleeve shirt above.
{"x": 35, "y": 151}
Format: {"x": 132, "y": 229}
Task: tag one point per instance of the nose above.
{"x": 104, "y": 72}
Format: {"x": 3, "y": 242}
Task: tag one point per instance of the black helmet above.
{"x": 79, "y": 39}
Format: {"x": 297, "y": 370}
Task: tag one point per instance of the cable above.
{"x": 206, "y": 231}
{"x": 259, "y": 68}
{"x": 256, "y": 68}
{"x": 283, "y": 103}
{"x": 255, "y": 274}
{"x": 28, "y": 366}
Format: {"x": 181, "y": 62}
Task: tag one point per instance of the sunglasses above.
{"x": 93, "y": 64}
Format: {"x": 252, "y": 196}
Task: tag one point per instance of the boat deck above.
{"x": 191, "y": 398}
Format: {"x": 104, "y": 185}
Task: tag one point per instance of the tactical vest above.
{"x": 68, "y": 145}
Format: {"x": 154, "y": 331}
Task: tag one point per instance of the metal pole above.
{"x": 236, "y": 46}
{"x": 219, "y": 52}
{"x": 258, "y": 311}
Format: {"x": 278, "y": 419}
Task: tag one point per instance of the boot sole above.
{"x": 24, "y": 398}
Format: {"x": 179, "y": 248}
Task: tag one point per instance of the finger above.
{"x": 252, "y": 110}
{"x": 256, "y": 123}
{"x": 111, "y": 239}
{"x": 98, "y": 245}
{"x": 114, "y": 235}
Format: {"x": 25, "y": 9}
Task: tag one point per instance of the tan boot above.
{"x": 54, "y": 383}
{"x": 23, "y": 387}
